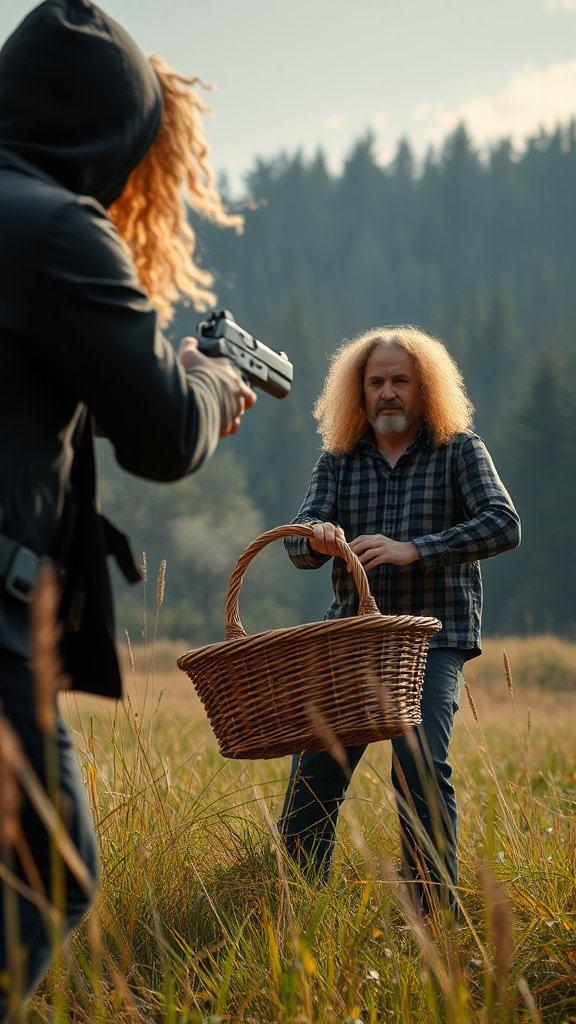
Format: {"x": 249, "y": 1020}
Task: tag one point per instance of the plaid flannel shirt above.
{"x": 447, "y": 500}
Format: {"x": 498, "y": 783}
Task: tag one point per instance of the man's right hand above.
{"x": 324, "y": 539}
{"x": 238, "y": 396}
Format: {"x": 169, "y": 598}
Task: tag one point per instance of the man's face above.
{"x": 392, "y": 391}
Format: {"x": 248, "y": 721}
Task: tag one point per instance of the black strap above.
{"x": 118, "y": 545}
{"x": 19, "y": 567}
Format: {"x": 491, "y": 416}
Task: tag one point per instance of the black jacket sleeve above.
{"x": 96, "y": 334}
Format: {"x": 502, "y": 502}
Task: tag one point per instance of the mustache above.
{"x": 395, "y": 403}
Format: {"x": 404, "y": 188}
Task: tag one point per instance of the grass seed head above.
{"x": 471, "y": 700}
{"x": 129, "y": 645}
{"x": 144, "y": 567}
{"x": 501, "y": 929}
{"x": 503, "y": 937}
{"x": 161, "y": 582}
{"x": 10, "y": 795}
{"x": 46, "y": 661}
{"x": 508, "y": 673}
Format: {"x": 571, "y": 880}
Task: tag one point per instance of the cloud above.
{"x": 422, "y": 111}
{"x": 559, "y": 5}
{"x": 379, "y": 120}
{"x": 335, "y": 121}
{"x": 531, "y": 98}
{"x": 385, "y": 156}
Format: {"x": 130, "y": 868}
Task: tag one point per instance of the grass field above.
{"x": 200, "y": 918}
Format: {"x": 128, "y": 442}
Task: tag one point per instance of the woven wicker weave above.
{"x": 350, "y": 680}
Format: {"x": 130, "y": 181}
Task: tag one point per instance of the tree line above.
{"x": 478, "y": 250}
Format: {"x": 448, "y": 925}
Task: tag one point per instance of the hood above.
{"x": 78, "y": 98}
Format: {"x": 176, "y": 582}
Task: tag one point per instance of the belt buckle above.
{"x": 22, "y": 574}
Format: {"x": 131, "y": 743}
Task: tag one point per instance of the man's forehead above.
{"x": 392, "y": 358}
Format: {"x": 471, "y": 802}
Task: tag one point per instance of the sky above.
{"x": 293, "y": 75}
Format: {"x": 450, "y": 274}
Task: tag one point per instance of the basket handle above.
{"x": 234, "y": 629}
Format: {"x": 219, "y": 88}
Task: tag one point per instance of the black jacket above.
{"x": 79, "y": 106}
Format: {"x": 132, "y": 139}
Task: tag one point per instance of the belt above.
{"x": 19, "y": 567}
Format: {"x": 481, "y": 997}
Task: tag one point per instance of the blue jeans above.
{"x": 425, "y": 796}
{"x": 17, "y": 697}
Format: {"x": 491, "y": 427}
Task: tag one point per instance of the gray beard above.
{"x": 391, "y": 425}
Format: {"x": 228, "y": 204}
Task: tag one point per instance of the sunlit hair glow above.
{"x": 340, "y": 411}
{"x": 151, "y": 215}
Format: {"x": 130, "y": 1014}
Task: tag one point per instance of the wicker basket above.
{"x": 349, "y": 681}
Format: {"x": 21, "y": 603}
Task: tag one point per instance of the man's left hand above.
{"x": 375, "y": 549}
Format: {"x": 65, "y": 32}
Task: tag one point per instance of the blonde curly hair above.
{"x": 151, "y": 215}
{"x": 340, "y": 412}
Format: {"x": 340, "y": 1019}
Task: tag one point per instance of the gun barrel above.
{"x": 264, "y": 368}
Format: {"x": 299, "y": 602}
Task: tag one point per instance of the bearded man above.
{"x": 415, "y": 493}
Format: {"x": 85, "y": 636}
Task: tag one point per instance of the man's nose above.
{"x": 388, "y": 391}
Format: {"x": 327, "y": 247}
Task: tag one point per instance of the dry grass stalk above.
{"x": 287, "y": 905}
{"x": 160, "y": 583}
{"x": 529, "y": 1000}
{"x": 10, "y": 795}
{"x": 328, "y": 736}
{"x": 31, "y": 893}
{"x": 91, "y": 779}
{"x": 501, "y": 928}
{"x": 422, "y": 935}
{"x": 29, "y": 865}
{"x": 508, "y": 673}
{"x": 46, "y": 663}
{"x": 121, "y": 985}
{"x": 11, "y": 833}
{"x": 130, "y": 654}
{"x": 53, "y": 823}
{"x": 471, "y": 701}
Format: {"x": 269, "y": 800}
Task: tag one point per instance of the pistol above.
{"x": 220, "y": 335}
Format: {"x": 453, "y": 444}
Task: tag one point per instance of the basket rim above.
{"x": 425, "y": 623}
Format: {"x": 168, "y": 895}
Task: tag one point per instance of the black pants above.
{"x": 421, "y": 779}
{"x": 17, "y": 697}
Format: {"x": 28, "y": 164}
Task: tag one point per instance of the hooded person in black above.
{"x": 80, "y": 107}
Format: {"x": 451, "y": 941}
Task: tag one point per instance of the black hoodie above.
{"x": 78, "y": 99}
{"x": 79, "y": 107}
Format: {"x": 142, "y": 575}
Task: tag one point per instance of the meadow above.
{"x": 200, "y": 918}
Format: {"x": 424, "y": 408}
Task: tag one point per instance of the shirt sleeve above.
{"x": 319, "y": 506}
{"x": 491, "y": 524}
{"x": 96, "y": 335}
